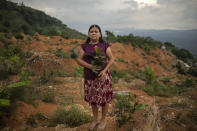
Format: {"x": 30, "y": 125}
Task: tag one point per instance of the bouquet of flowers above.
{"x": 98, "y": 61}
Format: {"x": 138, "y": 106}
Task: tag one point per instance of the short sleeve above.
{"x": 83, "y": 47}
{"x": 106, "y": 46}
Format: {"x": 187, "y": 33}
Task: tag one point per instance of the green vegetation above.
{"x": 121, "y": 60}
{"x": 78, "y": 71}
{"x": 192, "y": 71}
{"x": 31, "y": 120}
{"x": 193, "y": 113}
{"x": 155, "y": 87}
{"x": 61, "y": 54}
{"x": 74, "y": 42}
{"x": 73, "y": 54}
{"x": 24, "y": 74}
{"x": 70, "y": 117}
{"x": 180, "y": 68}
{"x": 12, "y": 58}
{"x": 124, "y": 107}
{"x": 145, "y": 43}
{"x": 34, "y": 120}
{"x": 182, "y": 54}
{"x": 6, "y": 96}
{"x": 16, "y": 18}
{"x": 117, "y": 74}
{"x": 48, "y": 95}
{"x": 148, "y": 43}
{"x": 46, "y": 76}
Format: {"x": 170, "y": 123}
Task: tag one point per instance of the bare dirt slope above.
{"x": 159, "y": 115}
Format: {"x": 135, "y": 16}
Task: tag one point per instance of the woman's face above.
{"x": 94, "y": 34}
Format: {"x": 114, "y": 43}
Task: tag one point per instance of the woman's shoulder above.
{"x": 84, "y": 44}
{"x": 105, "y": 44}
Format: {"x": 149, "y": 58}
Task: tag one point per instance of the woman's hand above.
{"x": 102, "y": 74}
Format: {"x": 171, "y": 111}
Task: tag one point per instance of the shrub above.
{"x": 121, "y": 60}
{"x": 6, "y": 96}
{"x": 193, "y": 113}
{"x": 78, "y": 71}
{"x": 4, "y": 70}
{"x": 13, "y": 50}
{"x": 160, "y": 90}
{"x": 15, "y": 64}
{"x": 182, "y": 54}
{"x": 73, "y": 54}
{"x": 150, "y": 75}
{"x": 31, "y": 120}
{"x": 71, "y": 117}
{"x": 117, "y": 74}
{"x": 28, "y": 54}
{"x": 46, "y": 76}
{"x": 128, "y": 78}
{"x": 65, "y": 35}
{"x": 5, "y": 41}
{"x": 18, "y": 36}
{"x": 169, "y": 45}
{"x": 41, "y": 116}
{"x": 124, "y": 107}
{"x": 192, "y": 71}
{"x": 48, "y": 95}
{"x": 180, "y": 68}
{"x": 74, "y": 42}
{"x": 24, "y": 93}
{"x": 188, "y": 83}
{"x": 61, "y": 54}
{"x": 24, "y": 74}
{"x": 163, "y": 90}
{"x": 29, "y": 95}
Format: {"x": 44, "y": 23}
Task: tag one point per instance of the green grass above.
{"x": 71, "y": 117}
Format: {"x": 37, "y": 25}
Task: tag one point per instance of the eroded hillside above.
{"x": 54, "y": 72}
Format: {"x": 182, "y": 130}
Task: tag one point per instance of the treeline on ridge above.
{"x": 16, "y": 18}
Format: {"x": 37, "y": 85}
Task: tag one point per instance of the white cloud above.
{"x": 49, "y": 10}
{"x": 111, "y": 14}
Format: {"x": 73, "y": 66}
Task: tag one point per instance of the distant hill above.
{"x": 180, "y": 38}
{"x": 16, "y": 18}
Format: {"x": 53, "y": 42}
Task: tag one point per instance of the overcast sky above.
{"x": 115, "y": 15}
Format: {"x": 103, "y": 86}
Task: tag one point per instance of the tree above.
{"x": 169, "y": 45}
{"x": 110, "y": 36}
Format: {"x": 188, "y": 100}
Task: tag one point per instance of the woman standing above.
{"x": 97, "y": 85}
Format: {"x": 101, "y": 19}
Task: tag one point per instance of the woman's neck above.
{"x": 94, "y": 42}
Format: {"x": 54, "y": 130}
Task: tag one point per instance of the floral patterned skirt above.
{"x": 98, "y": 92}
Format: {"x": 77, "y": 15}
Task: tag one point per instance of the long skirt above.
{"x": 98, "y": 92}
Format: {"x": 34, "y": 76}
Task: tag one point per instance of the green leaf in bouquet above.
{"x": 98, "y": 51}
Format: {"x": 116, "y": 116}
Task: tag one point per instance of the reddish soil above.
{"x": 69, "y": 90}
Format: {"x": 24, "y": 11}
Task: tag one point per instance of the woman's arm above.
{"x": 80, "y": 60}
{"x": 111, "y": 58}
{"x": 110, "y": 62}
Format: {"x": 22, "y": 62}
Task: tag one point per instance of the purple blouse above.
{"x": 88, "y": 57}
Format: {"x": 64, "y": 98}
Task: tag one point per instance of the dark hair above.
{"x": 100, "y": 39}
